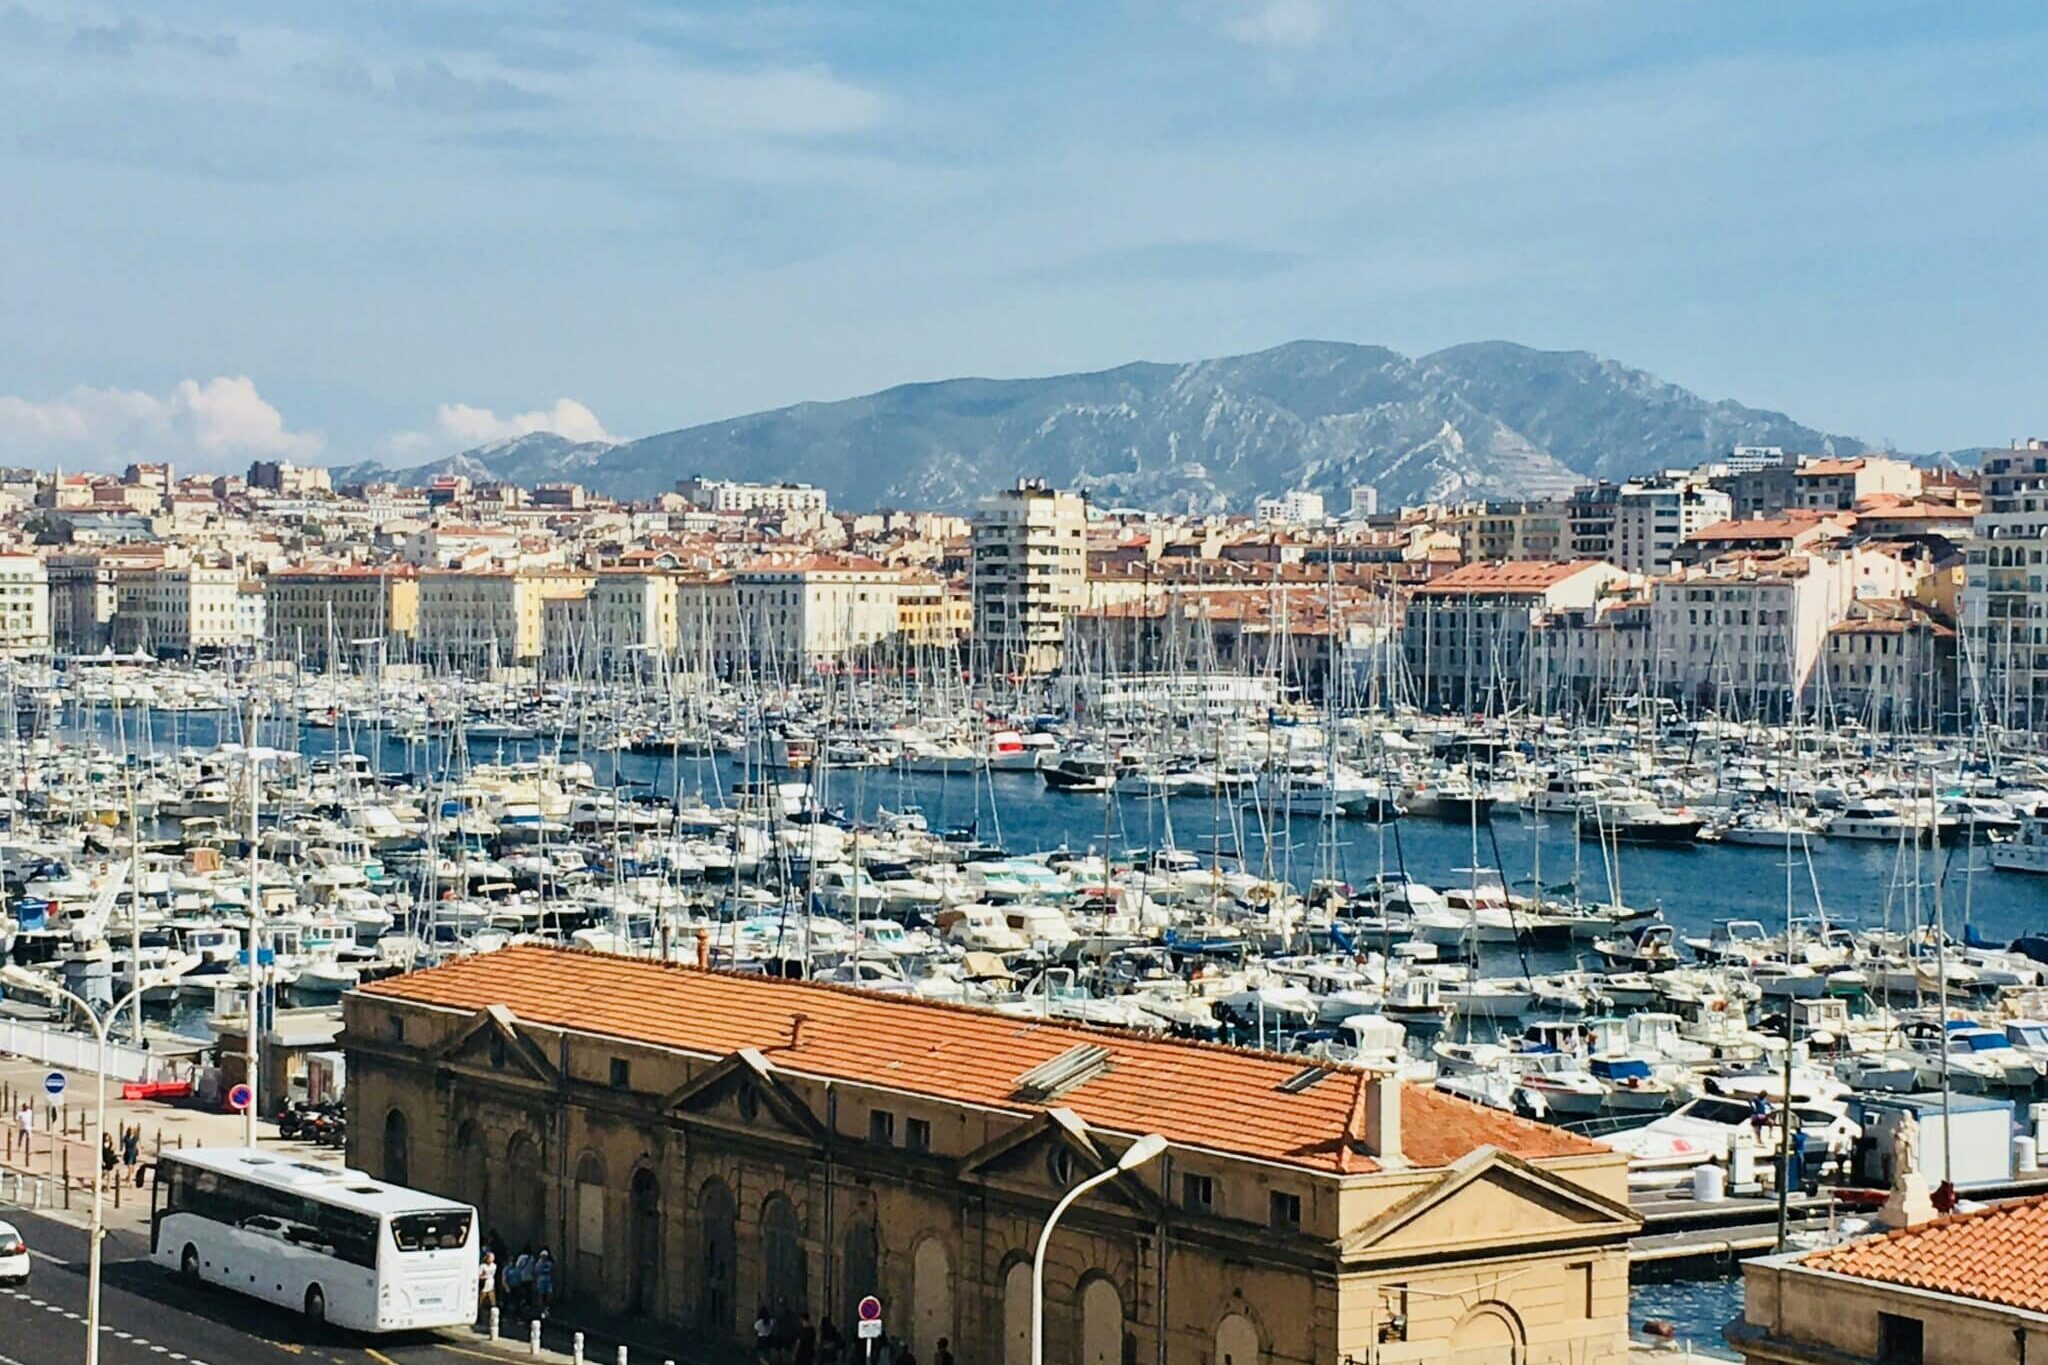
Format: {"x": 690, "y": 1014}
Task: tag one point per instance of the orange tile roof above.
{"x": 1827, "y": 468}
{"x": 1196, "y": 1094}
{"x": 1523, "y": 575}
{"x": 1993, "y": 1255}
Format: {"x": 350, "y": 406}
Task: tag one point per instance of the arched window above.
{"x": 472, "y": 1181}
{"x": 521, "y": 1214}
{"x": 1237, "y": 1341}
{"x": 1490, "y": 1334}
{"x": 1102, "y": 1324}
{"x": 783, "y": 1278}
{"x": 860, "y": 1270}
{"x": 588, "y": 1224}
{"x": 1017, "y": 1324}
{"x": 717, "y": 1254}
{"x": 397, "y": 1149}
{"x": 931, "y": 1297}
{"x": 644, "y": 1256}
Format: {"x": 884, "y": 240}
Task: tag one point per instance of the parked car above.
{"x": 13, "y": 1256}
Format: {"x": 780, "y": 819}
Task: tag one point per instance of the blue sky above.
{"x": 391, "y": 230}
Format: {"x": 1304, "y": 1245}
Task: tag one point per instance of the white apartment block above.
{"x": 24, "y": 605}
{"x": 1030, "y": 574}
{"x": 817, "y": 611}
{"x": 1469, "y": 637}
{"x": 1747, "y": 634}
{"x": 2005, "y": 595}
{"x": 1652, "y": 518}
{"x": 722, "y": 495}
{"x": 1297, "y": 506}
{"x": 182, "y": 611}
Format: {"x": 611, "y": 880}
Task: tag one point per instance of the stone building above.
{"x": 695, "y": 1144}
{"x": 1968, "y": 1290}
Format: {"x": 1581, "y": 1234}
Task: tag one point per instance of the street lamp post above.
{"x": 1135, "y": 1155}
{"x": 24, "y": 979}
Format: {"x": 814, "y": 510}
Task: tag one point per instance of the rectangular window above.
{"x": 1197, "y": 1193}
{"x": 917, "y": 1134}
{"x": 622, "y": 1073}
{"x": 882, "y": 1128}
{"x": 1286, "y": 1210}
{"x": 1582, "y": 1284}
{"x": 1900, "y": 1340}
{"x": 394, "y": 1028}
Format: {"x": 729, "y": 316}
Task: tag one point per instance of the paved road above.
{"x": 148, "y": 1317}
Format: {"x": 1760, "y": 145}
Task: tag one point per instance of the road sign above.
{"x": 867, "y": 1329}
{"x": 239, "y": 1097}
{"x": 53, "y": 1085}
{"x": 870, "y": 1309}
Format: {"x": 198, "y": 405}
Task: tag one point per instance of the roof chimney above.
{"x": 796, "y": 1030}
{"x": 1383, "y": 1118}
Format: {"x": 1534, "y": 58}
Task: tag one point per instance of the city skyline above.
{"x": 394, "y": 235}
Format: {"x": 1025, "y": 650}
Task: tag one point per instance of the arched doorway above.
{"x": 397, "y": 1149}
{"x": 644, "y": 1254}
{"x": 931, "y": 1298}
{"x": 784, "y": 1283}
{"x": 1237, "y": 1341}
{"x": 717, "y": 1245}
{"x": 520, "y": 1218}
{"x": 1102, "y": 1324}
{"x": 472, "y": 1167}
{"x": 861, "y": 1268}
{"x": 1490, "y": 1334}
{"x": 1017, "y": 1324}
{"x": 588, "y": 1224}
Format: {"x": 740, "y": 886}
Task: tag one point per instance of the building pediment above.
{"x": 493, "y": 1042}
{"x": 1491, "y": 1200}
{"x": 1046, "y": 1155}
{"x": 744, "y": 1090}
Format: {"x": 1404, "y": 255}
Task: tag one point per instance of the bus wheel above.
{"x": 316, "y": 1306}
{"x": 188, "y": 1264}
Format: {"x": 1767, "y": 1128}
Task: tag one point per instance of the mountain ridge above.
{"x": 1480, "y": 419}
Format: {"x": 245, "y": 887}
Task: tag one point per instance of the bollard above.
{"x": 576, "y": 1348}
{"x": 622, "y": 1355}
{"x": 533, "y": 1337}
{"x": 494, "y": 1322}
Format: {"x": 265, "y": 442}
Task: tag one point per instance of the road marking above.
{"x": 378, "y": 1356}
{"x": 465, "y": 1351}
{"x": 46, "y": 1256}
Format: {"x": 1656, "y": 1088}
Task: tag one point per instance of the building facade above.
{"x": 477, "y": 616}
{"x": 24, "y": 605}
{"x": 1652, "y": 518}
{"x": 694, "y": 1145}
{"x": 2005, "y": 599}
{"x": 1468, "y": 636}
{"x": 323, "y": 615}
{"x": 723, "y": 495}
{"x": 1030, "y": 574}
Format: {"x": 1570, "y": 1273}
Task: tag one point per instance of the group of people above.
{"x": 128, "y": 1156}
{"x": 789, "y": 1338}
{"x": 525, "y": 1285}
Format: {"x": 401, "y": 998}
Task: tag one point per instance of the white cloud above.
{"x": 1282, "y": 24}
{"x": 216, "y": 424}
{"x": 461, "y": 426}
{"x": 476, "y": 426}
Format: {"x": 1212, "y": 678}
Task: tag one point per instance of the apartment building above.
{"x": 1832, "y": 485}
{"x": 1296, "y": 507}
{"x": 1030, "y": 574}
{"x": 480, "y": 616}
{"x": 930, "y": 614}
{"x": 1653, "y": 517}
{"x": 24, "y": 605}
{"x": 1511, "y": 531}
{"x": 816, "y": 611}
{"x": 182, "y": 610}
{"x": 724, "y": 495}
{"x": 1467, "y": 636}
{"x": 1746, "y": 634}
{"x": 324, "y": 614}
{"x": 1891, "y": 663}
{"x": 2005, "y": 600}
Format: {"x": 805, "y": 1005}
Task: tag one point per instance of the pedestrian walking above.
{"x": 486, "y": 1287}
{"x": 25, "y": 1121}
{"x": 109, "y": 1158}
{"x": 764, "y": 1333}
{"x": 806, "y": 1341}
{"x": 944, "y": 1355}
{"x": 543, "y": 1282}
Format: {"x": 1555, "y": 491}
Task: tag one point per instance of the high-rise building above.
{"x": 1030, "y": 574}
{"x": 1652, "y": 518}
{"x": 2005, "y": 597}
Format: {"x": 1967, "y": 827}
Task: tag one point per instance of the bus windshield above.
{"x": 444, "y": 1231}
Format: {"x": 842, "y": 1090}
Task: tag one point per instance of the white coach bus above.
{"x": 321, "y": 1240}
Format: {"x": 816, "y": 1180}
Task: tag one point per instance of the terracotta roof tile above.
{"x": 1525, "y": 575}
{"x": 1196, "y": 1094}
{"x": 1994, "y": 1255}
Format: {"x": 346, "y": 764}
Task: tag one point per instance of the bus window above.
{"x": 431, "y": 1231}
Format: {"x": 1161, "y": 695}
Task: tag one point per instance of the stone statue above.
{"x": 1905, "y": 1149}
